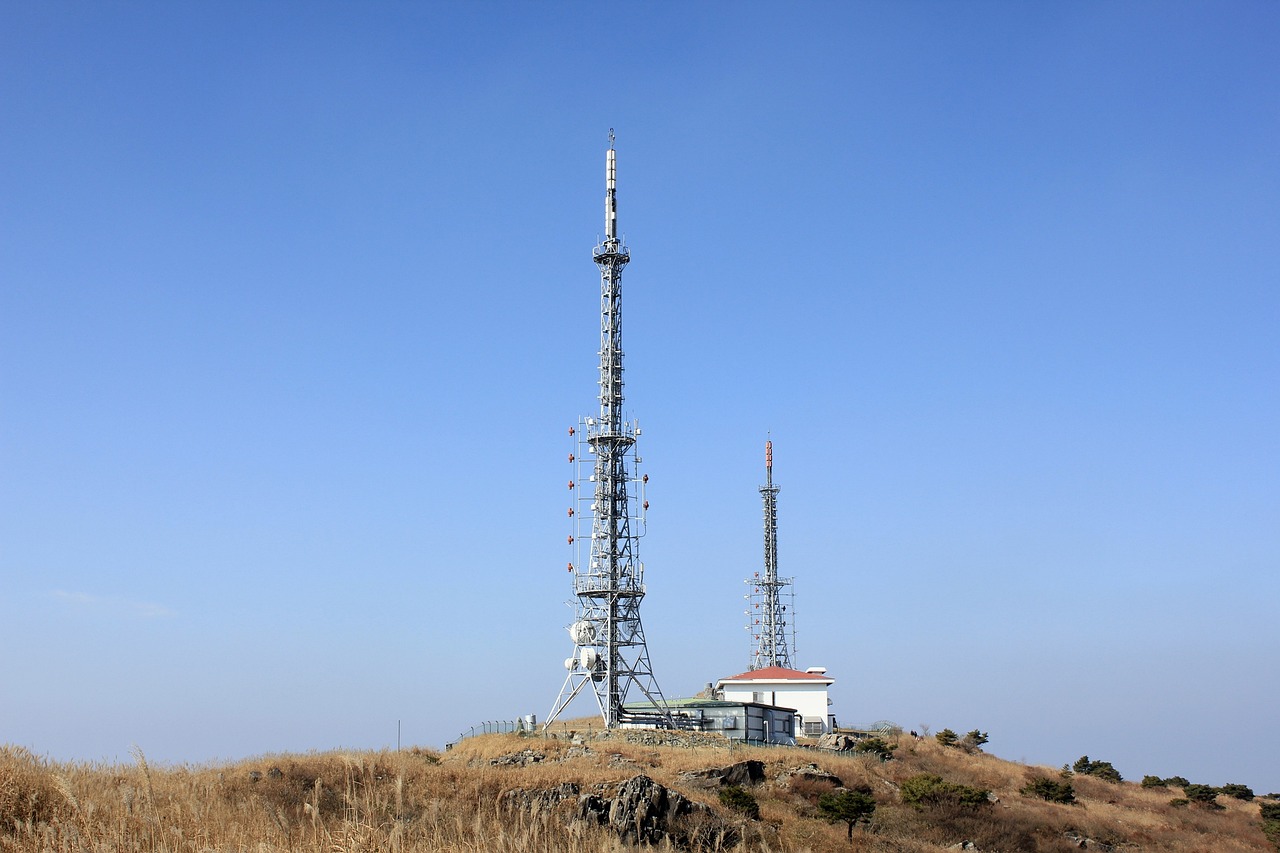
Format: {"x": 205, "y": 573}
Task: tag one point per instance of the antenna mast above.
{"x": 772, "y": 632}
{"x": 609, "y": 651}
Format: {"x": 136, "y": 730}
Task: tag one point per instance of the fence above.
{"x": 527, "y": 725}
{"x": 494, "y": 727}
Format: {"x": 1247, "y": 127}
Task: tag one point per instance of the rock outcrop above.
{"x": 543, "y": 800}
{"x": 523, "y": 758}
{"x": 642, "y": 811}
{"x": 639, "y": 811}
{"x": 814, "y": 773}
{"x": 743, "y": 774}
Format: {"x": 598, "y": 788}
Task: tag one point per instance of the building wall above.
{"x": 748, "y": 721}
{"x": 809, "y": 699}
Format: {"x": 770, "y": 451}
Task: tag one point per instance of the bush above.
{"x": 853, "y": 807}
{"x": 1153, "y": 782}
{"x": 946, "y": 737}
{"x": 735, "y": 798}
{"x": 1100, "y": 769}
{"x": 926, "y": 789}
{"x": 1177, "y": 781}
{"x": 1271, "y": 822}
{"x": 1179, "y": 802}
{"x": 1240, "y": 792}
{"x": 1205, "y": 795}
{"x": 875, "y": 746}
{"x": 1050, "y": 790}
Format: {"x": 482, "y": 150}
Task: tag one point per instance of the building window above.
{"x": 758, "y": 698}
{"x": 729, "y": 723}
{"x": 813, "y": 727}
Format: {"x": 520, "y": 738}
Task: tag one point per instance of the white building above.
{"x": 776, "y": 685}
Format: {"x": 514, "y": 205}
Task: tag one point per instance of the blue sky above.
{"x": 298, "y": 304}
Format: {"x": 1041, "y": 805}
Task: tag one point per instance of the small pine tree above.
{"x": 1104, "y": 770}
{"x": 1101, "y": 769}
{"x": 946, "y": 737}
{"x": 853, "y": 807}
{"x": 1205, "y": 795}
{"x": 1177, "y": 781}
{"x": 1152, "y": 782}
{"x": 973, "y": 741}
{"x": 875, "y": 746}
{"x": 1240, "y": 792}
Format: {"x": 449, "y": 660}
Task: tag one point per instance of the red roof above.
{"x": 778, "y": 673}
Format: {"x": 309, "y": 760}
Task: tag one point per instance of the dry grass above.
{"x": 420, "y": 801}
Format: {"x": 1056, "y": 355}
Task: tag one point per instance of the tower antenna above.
{"x": 608, "y": 505}
{"x": 771, "y": 616}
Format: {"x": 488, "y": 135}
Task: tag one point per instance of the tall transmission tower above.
{"x": 773, "y": 636}
{"x": 609, "y": 651}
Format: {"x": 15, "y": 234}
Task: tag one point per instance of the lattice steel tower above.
{"x": 609, "y": 647}
{"x": 771, "y": 625}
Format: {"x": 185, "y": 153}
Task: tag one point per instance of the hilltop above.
{"x": 590, "y": 792}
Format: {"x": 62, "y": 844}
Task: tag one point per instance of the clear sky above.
{"x": 298, "y": 304}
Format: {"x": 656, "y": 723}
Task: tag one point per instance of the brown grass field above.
{"x": 419, "y": 800}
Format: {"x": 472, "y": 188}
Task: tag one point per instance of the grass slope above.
{"x": 421, "y": 800}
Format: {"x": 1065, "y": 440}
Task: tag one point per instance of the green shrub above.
{"x": 1179, "y": 802}
{"x": 927, "y": 789}
{"x": 875, "y": 746}
{"x": 1101, "y": 769}
{"x": 1271, "y": 822}
{"x": 1205, "y": 795}
{"x": 1050, "y": 790}
{"x": 735, "y": 798}
{"x": 1177, "y": 781}
{"x": 1153, "y": 782}
{"x": 853, "y": 807}
{"x": 1272, "y": 831}
{"x": 1240, "y": 792}
{"x": 946, "y": 737}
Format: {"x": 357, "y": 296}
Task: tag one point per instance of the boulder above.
{"x": 814, "y": 773}
{"x": 1082, "y": 842}
{"x": 837, "y": 742}
{"x": 743, "y": 774}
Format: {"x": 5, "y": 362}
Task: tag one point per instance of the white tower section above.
{"x": 771, "y": 614}
{"x": 609, "y": 651}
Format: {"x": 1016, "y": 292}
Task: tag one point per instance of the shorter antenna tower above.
{"x": 771, "y": 614}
